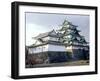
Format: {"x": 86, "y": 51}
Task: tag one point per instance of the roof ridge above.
{"x": 45, "y": 34}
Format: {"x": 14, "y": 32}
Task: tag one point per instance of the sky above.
{"x": 37, "y": 23}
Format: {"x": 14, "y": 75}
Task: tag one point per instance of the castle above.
{"x": 62, "y": 45}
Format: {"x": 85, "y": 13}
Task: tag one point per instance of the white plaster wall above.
{"x": 45, "y": 48}
{"x": 50, "y": 38}
{"x": 56, "y": 48}
{"x": 76, "y": 47}
{"x": 38, "y": 49}
{"x": 69, "y": 47}
{"x": 53, "y": 38}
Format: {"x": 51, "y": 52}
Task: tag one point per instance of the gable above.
{"x": 38, "y": 42}
{"x": 53, "y": 33}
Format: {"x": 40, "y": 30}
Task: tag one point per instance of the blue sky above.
{"x": 43, "y": 22}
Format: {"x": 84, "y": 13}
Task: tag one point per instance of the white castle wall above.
{"x": 50, "y": 38}
{"x": 56, "y": 48}
{"x": 47, "y": 47}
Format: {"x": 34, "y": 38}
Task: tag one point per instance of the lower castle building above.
{"x": 49, "y": 48}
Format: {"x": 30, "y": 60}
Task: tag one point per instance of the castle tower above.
{"x": 76, "y": 45}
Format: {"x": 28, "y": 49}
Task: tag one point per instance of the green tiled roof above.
{"x": 68, "y": 29}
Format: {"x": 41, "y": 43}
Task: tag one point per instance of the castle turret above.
{"x": 75, "y": 43}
